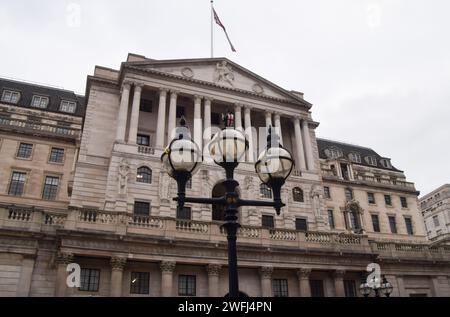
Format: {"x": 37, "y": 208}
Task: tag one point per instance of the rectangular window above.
{"x": 301, "y": 224}
{"x": 39, "y": 102}
{"x": 25, "y": 151}
{"x": 68, "y": 106}
{"x": 90, "y": 280}
{"x": 185, "y": 214}
{"x": 331, "y": 219}
{"x": 436, "y": 221}
{"x": 146, "y": 105}
{"x": 17, "y": 184}
{"x": 268, "y": 222}
{"x": 349, "y": 194}
{"x": 376, "y": 223}
{"x": 280, "y": 288}
{"x": 265, "y": 191}
{"x": 371, "y": 198}
{"x": 409, "y": 226}
{"x": 141, "y": 208}
{"x": 350, "y": 288}
{"x": 393, "y": 224}
{"x": 404, "y": 202}
{"x": 317, "y": 289}
{"x": 50, "y": 188}
{"x": 327, "y": 192}
{"x": 57, "y": 155}
{"x": 10, "y": 96}
{"x": 140, "y": 282}
{"x": 143, "y": 140}
{"x": 187, "y": 285}
{"x": 388, "y": 200}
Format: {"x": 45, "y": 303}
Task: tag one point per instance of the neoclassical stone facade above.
{"x": 120, "y": 223}
{"x": 435, "y": 208}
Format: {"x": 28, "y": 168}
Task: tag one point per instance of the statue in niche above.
{"x": 315, "y": 196}
{"x": 224, "y": 73}
{"x": 164, "y": 190}
{"x": 124, "y": 172}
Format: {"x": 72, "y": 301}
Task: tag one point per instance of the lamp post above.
{"x": 384, "y": 288}
{"x": 228, "y": 148}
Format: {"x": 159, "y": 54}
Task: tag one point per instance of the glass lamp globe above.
{"x": 386, "y": 287}
{"x": 365, "y": 289}
{"x": 181, "y": 156}
{"x": 275, "y": 163}
{"x": 228, "y": 146}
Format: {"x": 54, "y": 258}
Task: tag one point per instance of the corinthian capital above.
{"x": 167, "y": 266}
{"x": 303, "y": 273}
{"x": 266, "y": 272}
{"x": 214, "y": 269}
{"x": 118, "y": 263}
{"x": 64, "y": 258}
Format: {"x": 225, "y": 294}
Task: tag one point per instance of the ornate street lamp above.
{"x": 385, "y": 288}
{"x": 228, "y": 148}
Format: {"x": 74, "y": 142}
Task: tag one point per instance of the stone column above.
{"x": 277, "y": 119}
{"x": 167, "y": 269}
{"x": 238, "y": 117}
{"x": 161, "y": 125}
{"x": 308, "y": 145}
{"x": 62, "y": 260}
{"x": 23, "y": 287}
{"x": 299, "y": 144}
{"x": 135, "y": 110}
{"x": 123, "y": 113}
{"x": 207, "y": 123}
{"x": 339, "y": 283}
{"x": 198, "y": 129}
{"x": 268, "y": 119}
{"x": 303, "y": 282}
{"x": 249, "y": 134}
{"x": 213, "y": 279}
{"x": 172, "y": 115}
{"x": 401, "y": 286}
{"x": 117, "y": 266}
{"x": 266, "y": 281}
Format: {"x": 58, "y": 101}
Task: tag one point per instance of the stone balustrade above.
{"x": 146, "y": 150}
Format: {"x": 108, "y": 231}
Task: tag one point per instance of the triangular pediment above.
{"x": 222, "y": 73}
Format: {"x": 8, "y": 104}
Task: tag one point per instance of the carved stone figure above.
{"x": 224, "y": 73}
{"x": 315, "y": 196}
{"x": 124, "y": 172}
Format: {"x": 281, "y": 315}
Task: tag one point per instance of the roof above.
{"x": 55, "y": 95}
{"x": 346, "y": 148}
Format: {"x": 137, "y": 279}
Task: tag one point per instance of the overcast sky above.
{"x": 376, "y": 71}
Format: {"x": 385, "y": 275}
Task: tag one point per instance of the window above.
{"x": 376, "y": 223}
{"x": 17, "y": 184}
{"x": 10, "y": 96}
{"x": 140, "y": 283}
{"x": 141, "y": 208}
{"x": 354, "y": 220}
{"x": 350, "y": 288}
{"x": 409, "y": 226}
{"x": 90, "y": 280}
{"x": 57, "y": 155}
{"x": 181, "y": 111}
{"x": 388, "y": 200}
{"x": 25, "y": 151}
{"x": 68, "y": 106}
{"x": 301, "y": 224}
{"x": 355, "y": 157}
{"x": 146, "y": 105}
{"x": 404, "y": 202}
{"x": 265, "y": 191}
{"x": 349, "y": 194}
{"x": 331, "y": 219}
{"x": 371, "y": 160}
{"x": 436, "y": 221}
{"x": 143, "y": 140}
{"x": 268, "y": 222}
{"x": 280, "y": 288}
{"x": 187, "y": 285}
{"x": 333, "y": 153}
{"x": 386, "y": 163}
{"x": 297, "y": 193}
{"x": 393, "y": 224}
{"x": 327, "y": 192}
{"x": 317, "y": 289}
{"x": 50, "y": 188}
{"x": 144, "y": 175}
{"x": 184, "y": 214}
{"x": 39, "y": 102}
{"x": 371, "y": 198}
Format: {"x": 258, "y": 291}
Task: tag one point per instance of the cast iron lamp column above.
{"x": 228, "y": 148}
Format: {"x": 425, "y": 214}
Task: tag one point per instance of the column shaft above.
{"x": 167, "y": 269}
{"x": 161, "y": 125}
{"x": 207, "y": 133}
{"x": 277, "y": 120}
{"x": 62, "y": 260}
{"x": 198, "y": 129}
{"x": 249, "y": 135}
{"x": 308, "y": 145}
{"x": 117, "y": 266}
{"x": 303, "y": 282}
{"x": 268, "y": 119}
{"x": 23, "y": 288}
{"x": 238, "y": 117}
{"x": 172, "y": 116}
{"x": 134, "y": 121}
{"x": 213, "y": 280}
{"x": 266, "y": 281}
{"x": 339, "y": 283}
{"x": 123, "y": 113}
{"x": 299, "y": 145}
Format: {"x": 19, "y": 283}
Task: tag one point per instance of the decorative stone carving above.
{"x": 257, "y": 88}
{"x": 164, "y": 189}
{"x": 339, "y": 274}
{"x": 316, "y": 194}
{"x": 64, "y": 258}
{"x": 118, "y": 263}
{"x": 124, "y": 172}
{"x": 187, "y": 72}
{"x": 266, "y": 272}
{"x": 304, "y": 273}
{"x": 224, "y": 73}
{"x": 205, "y": 183}
{"x": 167, "y": 266}
{"x": 214, "y": 269}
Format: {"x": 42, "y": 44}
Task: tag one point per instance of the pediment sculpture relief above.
{"x": 224, "y": 73}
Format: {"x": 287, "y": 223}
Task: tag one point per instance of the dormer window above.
{"x": 68, "y": 106}
{"x": 386, "y": 163}
{"x": 10, "y": 96}
{"x": 371, "y": 160}
{"x": 39, "y": 102}
{"x": 355, "y": 157}
{"x": 333, "y": 153}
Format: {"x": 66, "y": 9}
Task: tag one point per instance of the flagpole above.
{"x": 212, "y": 29}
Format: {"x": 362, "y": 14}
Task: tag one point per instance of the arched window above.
{"x": 349, "y": 194}
{"x": 297, "y": 193}
{"x": 265, "y": 191}
{"x": 144, "y": 175}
